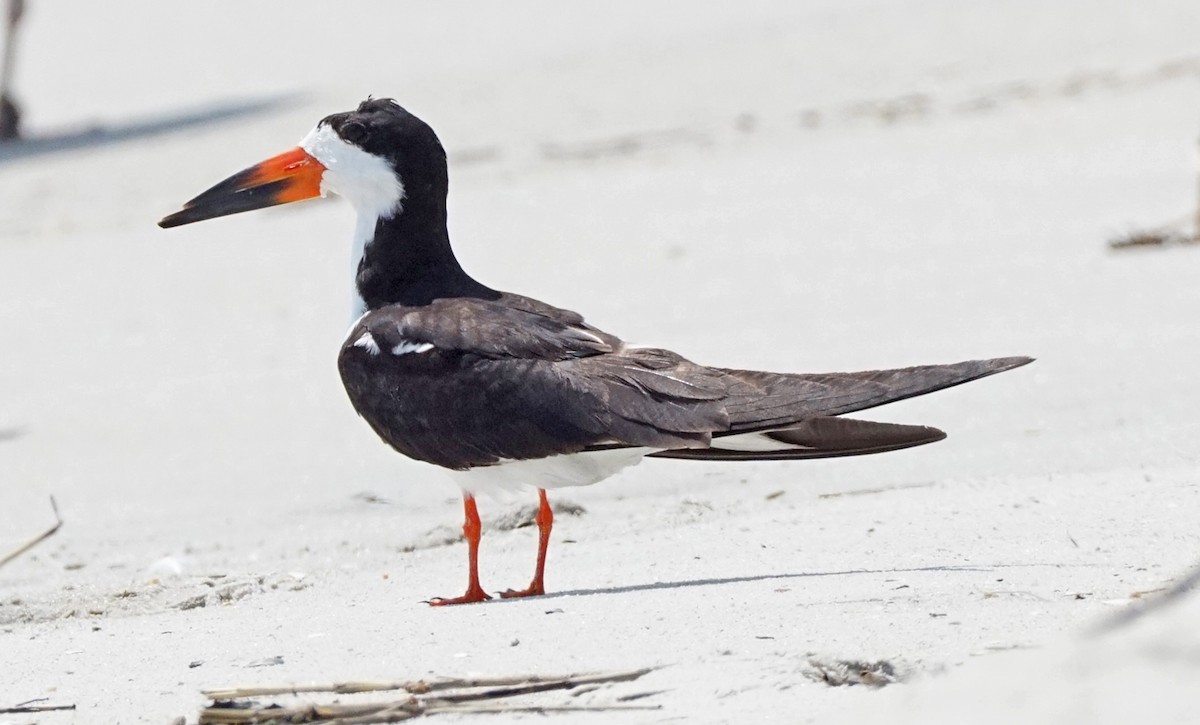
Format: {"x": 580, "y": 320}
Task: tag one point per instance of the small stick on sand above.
{"x": 383, "y": 712}
{"x": 457, "y": 696}
{"x": 37, "y": 539}
{"x": 25, "y": 708}
{"x": 421, "y": 687}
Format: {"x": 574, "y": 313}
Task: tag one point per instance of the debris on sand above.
{"x": 58, "y": 522}
{"x": 1152, "y": 238}
{"x": 839, "y": 673}
{"x": 424, "y": 697}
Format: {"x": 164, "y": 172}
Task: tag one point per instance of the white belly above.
{"x": 576, "y": 469}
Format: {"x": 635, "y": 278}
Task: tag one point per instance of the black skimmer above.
{"x": 508, "y": 392}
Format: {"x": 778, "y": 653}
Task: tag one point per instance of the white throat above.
{"x": 365, "y": 180}
{"x": 364, "y": 233}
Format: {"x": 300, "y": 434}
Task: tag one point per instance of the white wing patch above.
{"x": 407, "y": 346}
{"x": 367, "y": 342}
{"x": 752, "y": 443}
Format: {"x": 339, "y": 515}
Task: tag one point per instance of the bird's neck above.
{"x": 406, "y": 259}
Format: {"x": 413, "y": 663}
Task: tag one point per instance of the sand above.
{"x": 830, "y": 186}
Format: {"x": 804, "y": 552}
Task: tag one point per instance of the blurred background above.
{"x": 792, "y": 186}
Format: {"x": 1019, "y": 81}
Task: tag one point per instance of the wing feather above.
{"x": 513, "y": 378}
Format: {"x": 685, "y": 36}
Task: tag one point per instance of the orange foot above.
{"x": 474, "y": 594}
{"x": 545, "y": 521}
{"x": 536, "y": 589}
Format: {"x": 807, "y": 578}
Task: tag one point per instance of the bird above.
{"x": 509, "y": 393}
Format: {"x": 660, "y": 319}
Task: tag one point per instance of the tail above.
{"x": 775, "y": 416}
{"x": 813, "y": 438}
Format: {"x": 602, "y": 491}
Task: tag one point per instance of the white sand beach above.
{"x": 784, "y": 186}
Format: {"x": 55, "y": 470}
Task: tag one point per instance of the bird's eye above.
{"x": 354, "y": 132}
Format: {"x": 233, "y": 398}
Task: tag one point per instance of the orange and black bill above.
{"x": 290, "y": 176}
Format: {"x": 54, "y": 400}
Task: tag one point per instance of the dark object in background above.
{"x": 1161, "y": 237}
{"x": 10, "y": 113}
{"x": 10, "y": 119}
{"x": 1171, "y": 234}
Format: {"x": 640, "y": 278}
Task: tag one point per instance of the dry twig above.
{"x": 455, "y": 695}
{"x": 1173, "y": 233}
{"x": 37, "y": 539}
{"x": 26, "y": 708}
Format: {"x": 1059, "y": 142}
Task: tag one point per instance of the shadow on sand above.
{"x": 171, "y": 122}
{"x": 754, "y": 578}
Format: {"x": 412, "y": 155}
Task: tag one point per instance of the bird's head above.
{"x": 375, "y": 156}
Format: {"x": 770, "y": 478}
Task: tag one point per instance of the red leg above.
{"x": 545, "y": 522}
{"x": 473, "y": 531}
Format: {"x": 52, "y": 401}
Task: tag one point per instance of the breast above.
{"x": 459, "y": 410}
{"x": 405, "y": 390}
